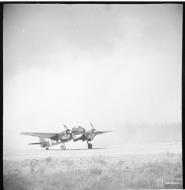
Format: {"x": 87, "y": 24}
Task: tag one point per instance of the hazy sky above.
{"x": 75, "y": 64}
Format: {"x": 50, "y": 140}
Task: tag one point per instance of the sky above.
{"x": 75, "y": 64}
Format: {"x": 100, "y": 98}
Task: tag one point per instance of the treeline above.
{"x": 152, "y": 132}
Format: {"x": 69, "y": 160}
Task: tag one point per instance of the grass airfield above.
{"x": 156, "y": 166}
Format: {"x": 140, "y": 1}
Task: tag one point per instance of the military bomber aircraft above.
{"x": 76, "y": 134}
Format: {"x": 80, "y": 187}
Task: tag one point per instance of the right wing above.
{"x": 53, "y": 136}
{"x": 101, "y": 132}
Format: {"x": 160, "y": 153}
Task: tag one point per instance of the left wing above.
{"x": 43, "y": 135}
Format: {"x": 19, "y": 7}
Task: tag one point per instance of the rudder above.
{"x": 42, "y": 141}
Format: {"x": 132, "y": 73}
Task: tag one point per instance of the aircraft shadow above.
{"x": 77, "y": 149}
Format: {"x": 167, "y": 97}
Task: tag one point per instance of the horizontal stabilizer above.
{"x": 35, "y": 143}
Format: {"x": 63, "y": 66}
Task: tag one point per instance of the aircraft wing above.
{"x": 102, "y": 132}
{"x": 44, "y": 135}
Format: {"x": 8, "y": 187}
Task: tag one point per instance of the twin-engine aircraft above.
{"x": 76, "y": 134}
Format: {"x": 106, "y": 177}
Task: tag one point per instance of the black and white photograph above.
{"x": 92, "y": 96}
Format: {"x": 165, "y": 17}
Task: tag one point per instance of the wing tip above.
{"x": 106, "y": 131}
{"x": 25, "y": 133}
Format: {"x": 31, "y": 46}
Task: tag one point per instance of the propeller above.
{"x": 67, "y": 130}
{"x": 92, "y": 127}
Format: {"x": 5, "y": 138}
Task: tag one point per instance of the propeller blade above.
{"x": 65, "y": 126}
{"x": 68, "y": 131}
{"x": 92, "y": 125}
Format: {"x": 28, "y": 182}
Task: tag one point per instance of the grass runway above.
{"x": 94, "y": 172}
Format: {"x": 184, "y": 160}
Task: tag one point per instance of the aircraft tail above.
{"x": 41, "y": 139}
{"x": 42, "y": 142}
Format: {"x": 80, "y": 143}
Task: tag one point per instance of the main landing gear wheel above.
{"x": 89, "y": 145}
{"x": 47, "y": 148}
{"x": 63, "y": 147}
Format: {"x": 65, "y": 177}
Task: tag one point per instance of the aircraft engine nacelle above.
{"x": 65, "y": 137}
{"x": 90, "y": 137}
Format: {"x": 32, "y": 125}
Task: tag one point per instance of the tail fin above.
{"x": 42, "y": 141}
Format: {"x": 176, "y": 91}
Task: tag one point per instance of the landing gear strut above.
{"x": 47, "y": 146}
{"x": 89, "y": 145}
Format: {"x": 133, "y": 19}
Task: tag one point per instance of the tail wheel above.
{"x": 63, "y": 147}
{"x": 89, "y": 145}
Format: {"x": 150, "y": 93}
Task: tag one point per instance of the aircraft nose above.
{"x": 74, "y": 129}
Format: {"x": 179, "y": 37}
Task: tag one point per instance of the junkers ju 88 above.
{"x": 76, "y": 134}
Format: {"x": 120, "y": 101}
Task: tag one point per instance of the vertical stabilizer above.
{"x": 42, "y": 141}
